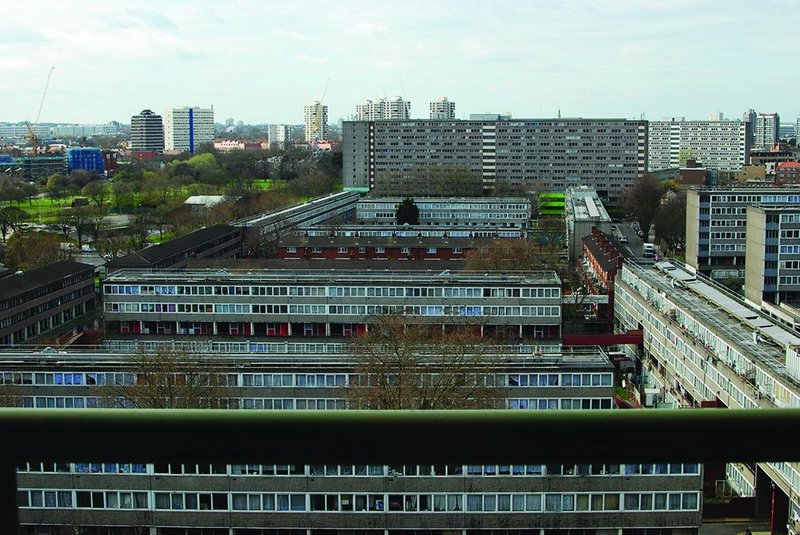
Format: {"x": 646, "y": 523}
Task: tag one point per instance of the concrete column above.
{"x": 214, "y": 327}
{"x": 327, "y": 328}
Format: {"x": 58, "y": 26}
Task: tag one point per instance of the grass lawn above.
{"x": 47, "y": 208}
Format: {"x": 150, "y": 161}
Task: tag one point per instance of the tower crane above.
{"x": 31, "y": 131}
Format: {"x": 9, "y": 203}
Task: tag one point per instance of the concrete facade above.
{"x": 722, "y": 145}
{"x": 772, "y": 262}
{"x": 185, "y": 129}
{"x": 706, "y": 347}
{"x": 716, "y": 226}
{"x": 553, "y": 154}
{"x": 239, "y": 499}
{"x": 147, "y": 132}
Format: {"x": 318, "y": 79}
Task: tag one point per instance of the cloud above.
{"x": 305, "y": 57}
{"x": 289, "y": 34}
{"x": 151, "y": 19}
{"x": 366, "y": 29}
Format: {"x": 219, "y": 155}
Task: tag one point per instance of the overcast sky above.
{"x": 261, "y": 62}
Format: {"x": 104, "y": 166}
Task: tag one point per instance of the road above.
{"x": 635, "y": 246}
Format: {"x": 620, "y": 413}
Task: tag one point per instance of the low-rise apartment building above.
{"x": 241, "y": 499}
{"x": 489, "y": 212}
{"x": 44, "y": 299}
{"x": 705, "y": 346}
{"x": 325, "y": 303}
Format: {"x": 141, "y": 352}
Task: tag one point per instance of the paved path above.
{"x": 735, "y": 527}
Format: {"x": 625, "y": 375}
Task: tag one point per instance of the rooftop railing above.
{"x": 388, "y": 437}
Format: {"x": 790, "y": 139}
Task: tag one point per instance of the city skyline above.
{"x": 262, "y": 63}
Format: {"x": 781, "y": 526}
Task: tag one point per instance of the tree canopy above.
{"x": 400, "y": 365}
{"x": 169, "y": 378}
{"x": 642, "y": 199}
{"x": 407, "y": 212}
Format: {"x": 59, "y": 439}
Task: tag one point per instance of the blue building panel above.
{"x": 87, "y": 158}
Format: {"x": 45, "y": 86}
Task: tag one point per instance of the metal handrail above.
{"x": 387, "y": 437}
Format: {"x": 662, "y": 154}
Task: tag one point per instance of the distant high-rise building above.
{"x": 377, "y": 154}
{"x": 279, "y": 135}
{"x": 316, "y": 121}
{"x": 765, "y": 132}
{"x": 722, "y": 145}
{"x": 443, "y": 109}
{"x": 749, "y": 117}
{"x": 147, "y": 133}
{"x": 716, "y": 116}
{"x": 383, "y": 110}
{"x": 187, "y": 128}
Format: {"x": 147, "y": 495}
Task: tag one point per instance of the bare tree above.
{"x": 671, "y": 223}
{"x": 431, "y": 181}
{"x": 515, "y": 255}
{"x": 11, "y": 395}
{"x": 399, "y": 365}
{"x": 170, "y": 378}
{"x": 642, "y": 199}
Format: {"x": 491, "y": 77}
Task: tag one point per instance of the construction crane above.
{"x": 31, "y": 131}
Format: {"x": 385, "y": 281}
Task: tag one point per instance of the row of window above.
{"x": 359, "y": 310}
{"x": 350, "y": 502}
{"x": 559, "y": 403}
{"x": 291, "y": 380}
{"x": 332, "y": 291}
{"x": 362, "y": 470}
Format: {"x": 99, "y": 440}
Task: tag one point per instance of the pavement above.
{"x": 734, "y": 526}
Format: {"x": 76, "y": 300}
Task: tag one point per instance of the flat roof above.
{"x": 384, "y": 241}
{"x": 417, "y": 199}
{"x": 729, "y": 317}
{"x": 503, "y": 357}
{"x": 334, "y": 275}
{"x": 303, "y": 264}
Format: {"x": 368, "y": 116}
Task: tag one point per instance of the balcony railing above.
{"x": 388, "y": 437}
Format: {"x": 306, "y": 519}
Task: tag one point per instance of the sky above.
{"x": 262, "y": 61}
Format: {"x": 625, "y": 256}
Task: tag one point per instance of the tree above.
{"x": 641, "y": 201}
{"x": 11, "y": 218}
{"x": 56, "y": 186}
{"x": 171, "y": 378}
{"x": 32, "y": 250}
{"x": 407, "y": 212}
{"x": 515, "y": 255}
{"x": 113, "y": 245}
{"x": 84, "y": 220}
{"x": 431, "y": 181}
{"x": 411, "y": 366}
{"x": 96, "y": 191}
{"x": 123, "y": 194}
{"x": 671, "y": 222}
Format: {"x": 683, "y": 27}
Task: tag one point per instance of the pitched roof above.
{"x": 154, "y": 254}
{"x": 17, "y": 284}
